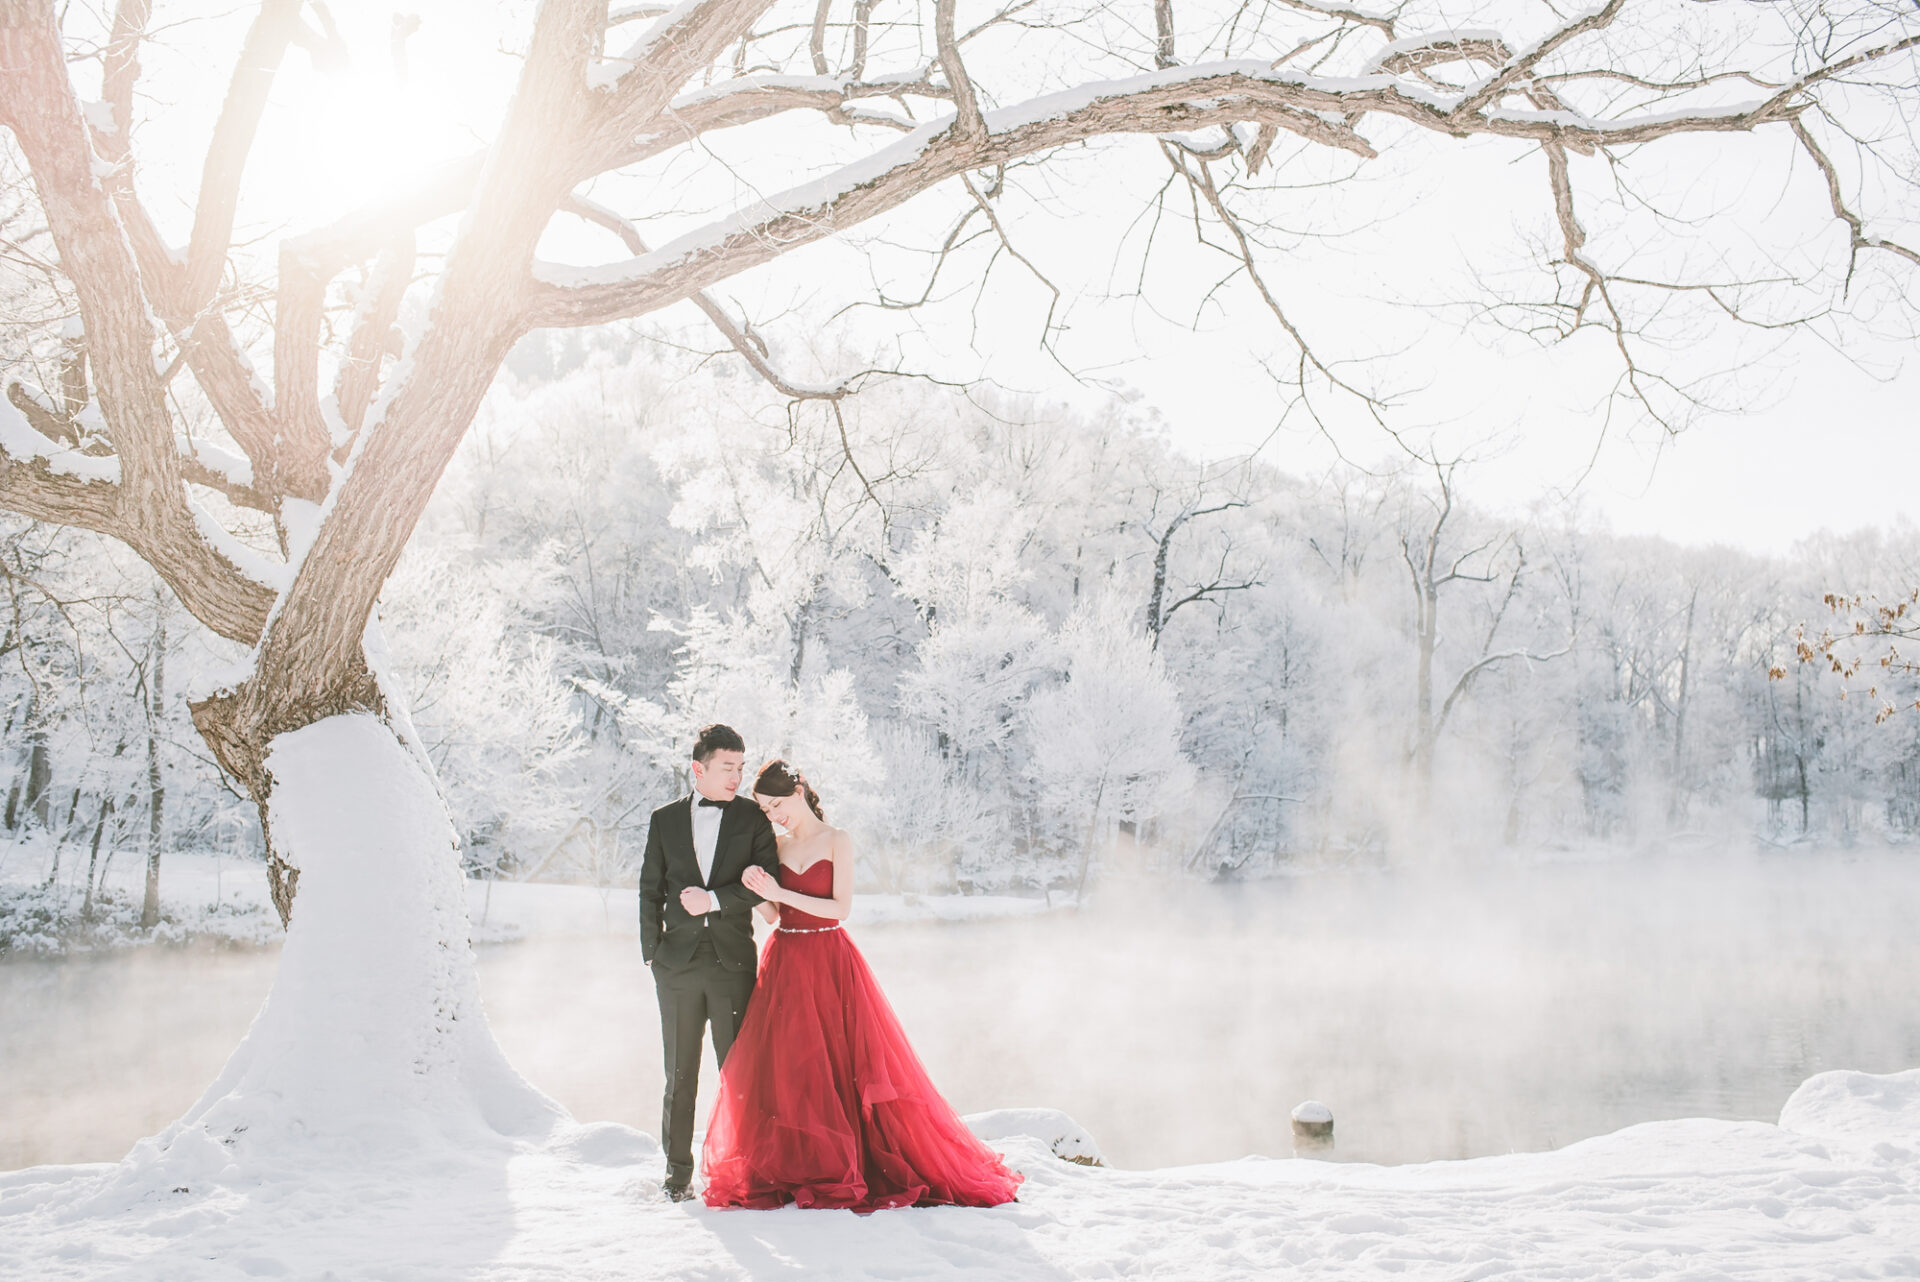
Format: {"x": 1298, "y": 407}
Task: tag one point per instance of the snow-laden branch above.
{"x": 1321, "y": 108}
{"x": 740, "y": 334}
{"x": 1521, "y": 65}
{"x": 638, "y": 86}
{"x": 726, "y": 104}
{"x": 204, "y": 463}
{"x": 50, "y": 481}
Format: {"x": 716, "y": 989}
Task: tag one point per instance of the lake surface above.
{"x": 1439, "y": 1013}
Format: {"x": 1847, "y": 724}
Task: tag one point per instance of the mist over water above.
{"x": 1440, "y": 1012}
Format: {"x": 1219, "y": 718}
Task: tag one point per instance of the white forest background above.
{"x": 946, "y": 621}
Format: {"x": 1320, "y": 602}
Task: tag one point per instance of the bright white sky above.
{"x": 1815, "y": 443}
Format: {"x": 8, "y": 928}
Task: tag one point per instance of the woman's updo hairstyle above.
{"x": 778, "y": 779}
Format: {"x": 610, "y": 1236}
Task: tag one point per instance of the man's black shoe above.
{"x": 678, "y": 1192}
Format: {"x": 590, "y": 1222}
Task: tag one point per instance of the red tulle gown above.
{"x": 822, "y": 1101}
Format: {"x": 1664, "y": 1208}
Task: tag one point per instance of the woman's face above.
{"x": 782, "y": 810}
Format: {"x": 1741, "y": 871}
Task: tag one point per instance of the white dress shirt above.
{"x": 706, "y": 836}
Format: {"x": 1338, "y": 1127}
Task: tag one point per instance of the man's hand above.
{"x": 697, "y": 900}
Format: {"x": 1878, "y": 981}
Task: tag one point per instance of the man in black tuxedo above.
{"x": 696, "y": 926}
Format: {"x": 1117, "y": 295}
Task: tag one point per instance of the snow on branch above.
{"x": 740, "y": 334}
{"x": 1523, "y": 62}
{"x": 635, "y": 12}
{"x": 1320, "y": 108}
{"x": 203, "y": 463}
{"x": 726, "y": 104}
{"x": 50, "y": 481}
{"x": 639, "y": 85}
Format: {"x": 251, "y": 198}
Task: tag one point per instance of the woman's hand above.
{"x": 761, "y": 883}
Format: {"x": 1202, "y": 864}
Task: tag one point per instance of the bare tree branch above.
{"x": 120, "y": 71}
{"x": 1522, "y": 64}
{"x": 967, "y": 119}
{"x": 359, "y": 373}
{"x": 817, "y": 42}
{"x": 233, "y": 133}
{"x": 38, "y": 104}
{"x": 1380, "y": 22}
{"x": 206, "y": 342}
{"x": 740, "y": 334}
{"x": 1856, "y": 227}
{"x": 300, "y": 462}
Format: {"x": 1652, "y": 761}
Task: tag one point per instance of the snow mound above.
{"x": 373, "y": 1039}
{"x": 1064, "y": 1137}
{"x": 606, "y": 1144}
{"x": 1856, "y": 1106}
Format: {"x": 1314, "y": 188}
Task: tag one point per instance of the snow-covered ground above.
{"x": 203, "y": 895}
{"x": 1833, "y": 1191}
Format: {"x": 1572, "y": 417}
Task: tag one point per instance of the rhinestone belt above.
{"x": 805, "y": 930}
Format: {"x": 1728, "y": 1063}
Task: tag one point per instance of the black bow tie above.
{"x": 709, "y": 801}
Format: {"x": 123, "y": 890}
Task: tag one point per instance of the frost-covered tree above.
{"x": 1106, "y": 735}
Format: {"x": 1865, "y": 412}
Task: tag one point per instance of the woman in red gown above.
{"x": 822, "y": 1101}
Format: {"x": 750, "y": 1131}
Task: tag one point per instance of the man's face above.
{"x": 718, "y": 777}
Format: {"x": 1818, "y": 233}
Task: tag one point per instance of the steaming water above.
{"x": 1439, "y": 1014}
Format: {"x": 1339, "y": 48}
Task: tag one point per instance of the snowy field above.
{"x": 1833, "y": 1191}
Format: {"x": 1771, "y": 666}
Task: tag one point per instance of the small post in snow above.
{"x": 1312, "y": 1129}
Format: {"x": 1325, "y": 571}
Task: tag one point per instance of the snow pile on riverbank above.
{"x": 1833, "y": 1191}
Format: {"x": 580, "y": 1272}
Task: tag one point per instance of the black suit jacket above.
{"x": 668, "y": 932}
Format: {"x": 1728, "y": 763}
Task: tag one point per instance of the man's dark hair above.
{"x": 716, "y": 738}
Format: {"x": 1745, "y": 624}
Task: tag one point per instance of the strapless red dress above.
{"x": 822, "y": 1101}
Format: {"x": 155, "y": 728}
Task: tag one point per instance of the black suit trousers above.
{"x": 698, "y": 997}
